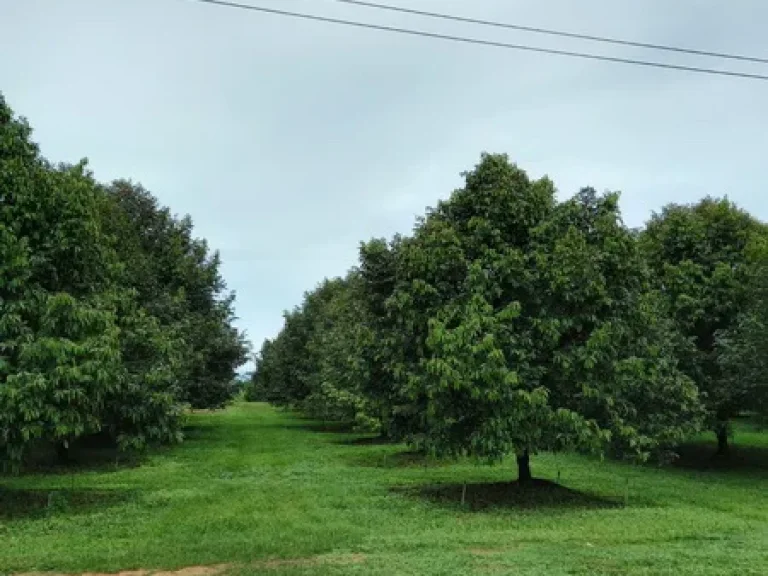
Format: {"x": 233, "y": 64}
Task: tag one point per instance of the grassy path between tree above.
{"x": 256, "y": 491}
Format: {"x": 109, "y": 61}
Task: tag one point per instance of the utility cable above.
{"x": 550, "y": 32}
{"x": 482, "y": 42}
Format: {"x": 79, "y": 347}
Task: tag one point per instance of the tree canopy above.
{"x": 743, "y": 348}
{"x": 530, "y": 327}
{"x": 112, "y": 315}
{"x": 702, "y": 257}
{"x": 508, "y": 322}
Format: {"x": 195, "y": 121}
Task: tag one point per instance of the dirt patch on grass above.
{"x": 187, "y": 571}
{"x": 343, "y": 559}
{"x": 125, "y": 573}
{"x": 192, "y": 571}
{"x": 217, "y": 569}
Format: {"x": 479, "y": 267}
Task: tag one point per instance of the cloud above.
{"x": 289, "y": 142}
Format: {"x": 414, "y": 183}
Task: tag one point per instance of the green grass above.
{"x": 252, "y": 484}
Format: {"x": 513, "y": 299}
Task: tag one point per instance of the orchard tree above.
{"x": 176, "y": 279}
{"x": 143, "y": 407}
{"x": 528, "y": 325}
{"x": 743, "y": 349}
{"x": 59, "y": 341}
{"x": 286, "y": 367}
{"x": 338, "y": 344}
{"x": 263, "y": 376}
{"x": 699, "y": 257}
{"x": 317, "y": 362}
{"x": 380, "y": 353}
{"x": 214, "y": 349}
{"x": 111, "y": 313}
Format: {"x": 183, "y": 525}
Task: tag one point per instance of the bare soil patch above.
{"x": 217, "y": 569}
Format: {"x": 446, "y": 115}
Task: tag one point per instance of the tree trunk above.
{"x": 524, "y": 468}
{"x": 62, "y": 453}
{"x": 722, "y": 440}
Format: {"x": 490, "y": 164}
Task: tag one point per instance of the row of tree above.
{"x": 512, "y": 323}
{"x": 113, "y": 316}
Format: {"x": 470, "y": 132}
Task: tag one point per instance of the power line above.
{"x": 481, "y": 42}
{"x": 551, "y": 32}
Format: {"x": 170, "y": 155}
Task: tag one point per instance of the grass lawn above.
{"x": 269, "y": 493}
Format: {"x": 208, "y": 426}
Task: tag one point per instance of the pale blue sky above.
{"x": 288, "y": 142}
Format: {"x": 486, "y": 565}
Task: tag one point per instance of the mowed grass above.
{"x": 271, "y": 493}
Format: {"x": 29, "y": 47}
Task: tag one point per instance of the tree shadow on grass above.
{"x": 366, "y": 441}
{"x": 195, "y": 432}
{"x": 742, "y": 460}
{"x": 539, "y": 494}
{"x": 18, "y": 504}
{"x": 317, "y": 426}
{"x": 90, "y": 453}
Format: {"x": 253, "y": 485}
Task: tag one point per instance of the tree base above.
{"x": 524, "y": 475}
{"x": 723, "y": 447}
{"x": 62, "y": 454}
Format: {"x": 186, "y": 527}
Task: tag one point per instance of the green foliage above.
{"x": 111, "y": 314}
{"x": 60, "y": 342}
{"x": 507, "y": 323}
{"x": 283, "y": 367}
{"x": 177, "y": 280}
{"x": 317, "y": 363}
{"x": 145, "y": 407}
{"x": 528, "y": 325}
{"x": 700, "y": 258}
{"x": 58, "y": 372}
{"x": 743, "y": 349}
{"x": 338, "y": 350}
{"x": 379, "y": 354}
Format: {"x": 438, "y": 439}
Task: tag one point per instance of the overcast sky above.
{"x": 288, "y": 141}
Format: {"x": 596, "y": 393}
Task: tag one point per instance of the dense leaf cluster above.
{"x": 112, "y": 315}
{"x": 709, "y": 260}
{"x": 510, "y": 322}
